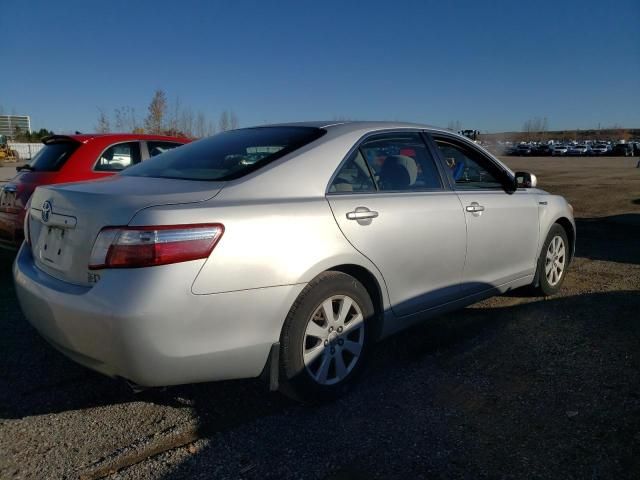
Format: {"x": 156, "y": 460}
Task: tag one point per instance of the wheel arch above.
{"x": 373, "y": 287}
{"x": 568, "y": 227}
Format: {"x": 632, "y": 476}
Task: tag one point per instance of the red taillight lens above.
{"x": 133, "y": 247}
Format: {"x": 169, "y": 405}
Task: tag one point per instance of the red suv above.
{"x": 73, "y": 158}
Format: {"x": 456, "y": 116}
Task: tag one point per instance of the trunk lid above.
{"x": 64, "y": 220}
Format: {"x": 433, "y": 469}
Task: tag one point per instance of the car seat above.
{"x": 399, "y": 172}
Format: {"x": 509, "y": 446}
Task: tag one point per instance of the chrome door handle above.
{"x": 361, "y": 213}
{"x": 474, "y": 207}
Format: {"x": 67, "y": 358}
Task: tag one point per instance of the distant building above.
{"x": 8, "y": 124}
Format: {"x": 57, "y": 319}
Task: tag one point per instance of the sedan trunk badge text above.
{"x": 46, "y": 211}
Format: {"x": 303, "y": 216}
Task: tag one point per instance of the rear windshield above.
{"x": 53, "y": 156}
{"x": 227, "y": 155}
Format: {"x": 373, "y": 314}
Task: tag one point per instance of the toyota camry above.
{"x": 282, "y": 251}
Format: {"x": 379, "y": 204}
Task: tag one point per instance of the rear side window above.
{"x": 53, "y": 156}
{"x": 227, "y": 155}
{"x": 156, "y": 148}
{"x": 118, "y": 157}
{"x": 353, "y": 176}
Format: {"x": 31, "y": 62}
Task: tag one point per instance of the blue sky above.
{"x": 489, "y": 65}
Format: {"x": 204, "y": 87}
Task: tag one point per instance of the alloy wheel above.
{"x": 333, "y": 340}
{"x": 555, "y": 260}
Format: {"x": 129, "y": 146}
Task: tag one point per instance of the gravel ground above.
{"x": 7, "y": 171}
{"x": 515, "y": 386}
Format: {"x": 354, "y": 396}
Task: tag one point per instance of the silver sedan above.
{"x": 284, "y": 251}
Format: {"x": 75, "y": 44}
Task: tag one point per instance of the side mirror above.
{"x": 526, "y": 180}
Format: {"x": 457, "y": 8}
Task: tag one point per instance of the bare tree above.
{"x": 526, "y": 128}
{"x": 454, "y": 126}
{"x": 155, "y": 121}
{"x": 200, "y": 128}
{"x": 120, "y": 118}
{"x": 535, "y": 129}
{"x": 185, "y": 125}
{"x": 125, "y": 119}
{"x": 228, "y": 121}
{"x": 103, "y": 125}
{"x": 233, "y": 120}
{"x": 224, "y": 123}
{"x": 133, "y": 121}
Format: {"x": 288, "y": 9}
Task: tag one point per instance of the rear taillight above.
{"x": 133, "y": 247}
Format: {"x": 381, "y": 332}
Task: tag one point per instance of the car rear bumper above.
{"x": 142, "y": 325}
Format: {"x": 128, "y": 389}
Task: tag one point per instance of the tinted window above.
{"x": 353, "y": 176}
{"x": 227, "y": 155}
{"x": 401, "y": 162}
{"x": 118, "y": 157}
{"x": 156, "y": 148}
{"x": 53, "y": 156}
{"x": 469, "y": 169}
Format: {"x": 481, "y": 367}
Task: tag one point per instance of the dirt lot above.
{"x": 7, "y": 171}
{"x": 516, "y": 386}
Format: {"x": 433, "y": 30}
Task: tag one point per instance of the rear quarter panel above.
{"x": 265, "y": 243}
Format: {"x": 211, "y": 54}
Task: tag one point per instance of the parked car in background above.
{"x": 579, "y": 151}
{"x": 523, "y": 149}
{"x": 559, "y": 150}
{"x": 622, "y": 150}
{"x": 600, "y": 149}
{"x": 510, "y": 150}
{"x": 542, "y": 150}
{"x": 210, "y": 263}
{"x": 73, "y": 158}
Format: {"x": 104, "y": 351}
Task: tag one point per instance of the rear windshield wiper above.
{"x": 25, "y": 167}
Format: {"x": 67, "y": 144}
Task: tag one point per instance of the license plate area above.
{"x": 51, "y": 247}
{"x": 7, "y": 199}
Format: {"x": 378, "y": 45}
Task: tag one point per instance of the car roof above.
{"x": 87, "y": 137}
{"x": 350, "y": 125}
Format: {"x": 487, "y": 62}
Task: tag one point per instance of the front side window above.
{"x": 158, "y": 147}
{"x": 227, "y": 155}
{"x": 118, "y": 157}
{"x": 468, "y": 169}
{"x": 401, "y": 162}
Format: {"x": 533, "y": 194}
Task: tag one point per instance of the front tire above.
{"x": 553, "y": 261}
{"x": 326, "y": 337}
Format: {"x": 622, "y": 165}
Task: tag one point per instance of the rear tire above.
{"x": 326, "y": 338}
{"x": 553, "y": 261}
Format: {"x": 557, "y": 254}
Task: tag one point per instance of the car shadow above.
{"x": 30, "y": 370}
{"x": 406, "y": 372}
{"x": 364, "y": 420}
{"x": 35, "y": 379}
{"x": 609, "y": 238}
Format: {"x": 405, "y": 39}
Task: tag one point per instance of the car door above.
{"x": 391, "y": 202}
{"x": 502, "y": 227}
